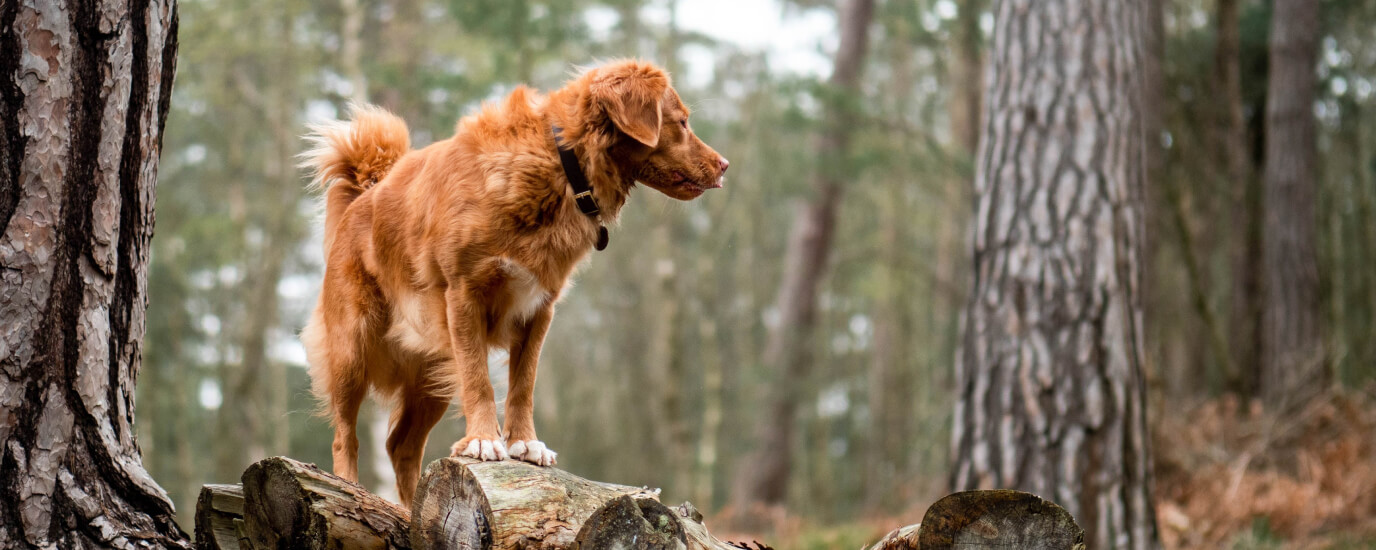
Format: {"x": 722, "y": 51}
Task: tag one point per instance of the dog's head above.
{"x": 657, "y": 144}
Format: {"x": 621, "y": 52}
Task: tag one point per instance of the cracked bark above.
{"x": 84, "y": 90}
{"x": 1050, "y": 372}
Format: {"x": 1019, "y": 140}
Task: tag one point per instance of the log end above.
{"x": 998, "y": 519}
{"x": 449, "y": 509}
{"x": 292, "y": 504}
{"x": 627, "y": 522}
{"x": 219, "y": 517}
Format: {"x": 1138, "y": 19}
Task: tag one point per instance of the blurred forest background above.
{"x": 656, "y": 370}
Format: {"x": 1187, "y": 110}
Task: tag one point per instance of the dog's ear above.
{"x": 631, "y": 93}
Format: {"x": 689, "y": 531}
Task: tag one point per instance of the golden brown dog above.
{"x": 436, "y": 255}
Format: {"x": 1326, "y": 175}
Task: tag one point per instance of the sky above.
{"x": 796, "y": 41}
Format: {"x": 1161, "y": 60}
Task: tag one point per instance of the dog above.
{"x": 436, "y": 255}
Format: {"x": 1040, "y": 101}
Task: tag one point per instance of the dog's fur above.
{"x": 436, "y": 255}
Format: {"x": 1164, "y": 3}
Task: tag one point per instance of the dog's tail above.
{"x": 348, "y": 157}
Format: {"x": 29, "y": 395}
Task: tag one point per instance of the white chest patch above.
{"x": 414, "y": 325}
{"x": 524, "y": 290}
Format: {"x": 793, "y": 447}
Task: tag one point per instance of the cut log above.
{"x": 293, "y": 505}
{"x": 695, "y": 532}
{"x": 997, "y": 519}
{"x": 464, "y": 503}
{"x": 902, "y": 538}
{"x": 626, "y": 522}
{"x": 220, "y": 518}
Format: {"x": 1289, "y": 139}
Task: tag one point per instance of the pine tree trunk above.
{"x": 1292, "y": 357}
{"x": 1050, "y": 373}
{"x": 763, "y": 477}
{"x": 84, "y": 90}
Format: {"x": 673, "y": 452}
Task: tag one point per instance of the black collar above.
{"x": 582, "y": 190}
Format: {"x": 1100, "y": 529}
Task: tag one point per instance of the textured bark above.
{"x": 220, "y": 518}
{"x": 902, "y": 538}
{"x": 289, "y": 505}
{"x": 462, "y": 503}
{"x": 84, "y": 90}
{"x": 1050, "y": 375}
{"x": 627, "y": 522}
{"x": 788, "y": 354}
{"x": 1292, "y": 358}
{"x": 998, "y": 519}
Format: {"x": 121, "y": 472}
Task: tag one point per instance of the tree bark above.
{"x": 220, "y": 518}
{"x": 463, "y": 503}
{"x": 291, "y": 505}
{"x": 84, "y": 90}
{"x": 1050, "y": 372}
{"x": 998, "y": 519}
{"x": 763, "y": 477}
{"x": 1292, "y": 357}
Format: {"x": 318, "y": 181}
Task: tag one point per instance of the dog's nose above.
{"x": 723, "y": 164}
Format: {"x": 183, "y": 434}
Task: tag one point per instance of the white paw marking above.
{"x": 534, "y": 452}
{"x": 486, "y": 449}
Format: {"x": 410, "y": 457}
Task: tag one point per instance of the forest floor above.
{"x": 1229, "y": 476}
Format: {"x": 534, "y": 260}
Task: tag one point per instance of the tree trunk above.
{"x": 764, "y": 476}
{"x": 84, "y": 92}
{"x": 1050, "y": 373}
{"x": 1231, "y": 137}
{"x": 1292, "y": 357}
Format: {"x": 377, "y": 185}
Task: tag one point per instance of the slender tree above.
{"x": 1292, "y": 358}
{"x": 84, "y": 92}
{"x": 1230, "y": 135}
{"x": 1050, "y": 373}
{"x": 788, "y": 355}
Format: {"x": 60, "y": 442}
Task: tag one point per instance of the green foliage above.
{"x": 236, "y": 259}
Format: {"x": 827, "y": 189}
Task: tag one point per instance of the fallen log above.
{"x": 219, "y": 517}
{"x": 464, "y": 503}
{"x": 469, "y": 505}
{"x": 294, "y": 505}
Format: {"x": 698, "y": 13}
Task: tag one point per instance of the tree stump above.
{"x": 996, "y": 519}
{"x": 220, "y": 517}
{"x": 293, "y": 505}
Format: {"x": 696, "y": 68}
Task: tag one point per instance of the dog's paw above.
{"x": 481, "y": 449}
{"x": 534, "y": 452}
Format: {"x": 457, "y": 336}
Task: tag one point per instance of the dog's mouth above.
{"x": 697, "y": 186}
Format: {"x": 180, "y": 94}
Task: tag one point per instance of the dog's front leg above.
{"x": 520, "y": 399}
{"x": 468, "y": 338}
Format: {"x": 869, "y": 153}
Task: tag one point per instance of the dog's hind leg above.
{"x": 346, "y": 398}
{"x": 337, "y": 340}
{"x": 412, "y": 421}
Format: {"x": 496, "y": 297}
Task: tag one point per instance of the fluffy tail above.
{"x": 346, "y": 158}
